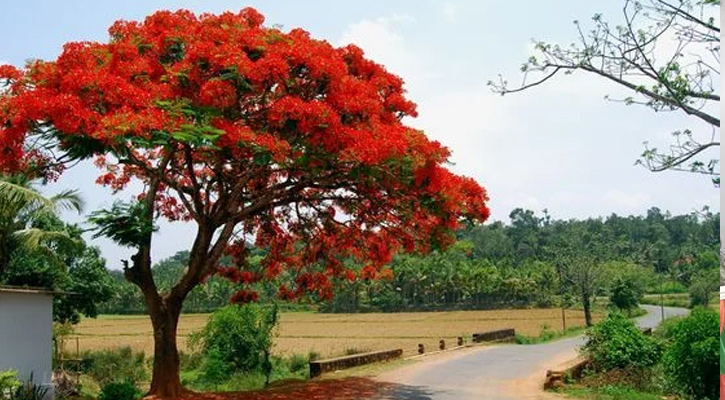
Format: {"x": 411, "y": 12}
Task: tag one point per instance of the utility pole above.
{"x": 662, "y": 299}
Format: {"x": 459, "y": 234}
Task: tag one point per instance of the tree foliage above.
{"x": 667, "y": 54}
{"x": 625, "y": 295}
{"x": 483, "y": 270}
{"x": 38, "y": 249}
{"x": 251, "y": 132}
{"x": 245, "y": 129}
{"x": 22, "y": 212}
{"x": 692, "y": 358}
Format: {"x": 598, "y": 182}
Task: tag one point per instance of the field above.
{"x": 332, "y": 334}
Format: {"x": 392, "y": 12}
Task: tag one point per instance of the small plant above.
{"x": 30, "y": 391}
{"x": 350, "y": 351}
{"x": 120, "y": 391}
{"x": 546, "y": 333}
{"x": 313, "y": 355}
{"x": 9, "y": 383}
{"x": 298, "y": 363}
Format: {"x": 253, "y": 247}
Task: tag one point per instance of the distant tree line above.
{"x": 531, "y": 261}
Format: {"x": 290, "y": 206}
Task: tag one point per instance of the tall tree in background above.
{"x": 579, "y": 254}
{"x": 249, "y": 132}
{"x": 667, "y": 52}
{"x": 38, "y": 249}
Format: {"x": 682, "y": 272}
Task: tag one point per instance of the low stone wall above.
{"x": 572, "y": 369}
{"x": 492, "y": 336}
{"x": 319, "y": 367}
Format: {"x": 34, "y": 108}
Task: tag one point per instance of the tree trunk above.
{"x": 165, "y": 381}
{"x": 586, "y": 303}
{"x": 4, "y": 256}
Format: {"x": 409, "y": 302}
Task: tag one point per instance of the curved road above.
{"x": 504, "y": 372}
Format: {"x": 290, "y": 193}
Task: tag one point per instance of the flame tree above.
{"x": 249, "y": 132}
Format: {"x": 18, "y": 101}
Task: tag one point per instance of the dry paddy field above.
{"x": 333, "y": 334}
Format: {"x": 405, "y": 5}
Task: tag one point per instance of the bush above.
{"x": 107, "y": 366}
{"x": 236, "y": 339}
{"x": 616, "y": 343}
{"x": 213, "y": 367}
{"x": 120, "y": 391}
{"x": 29, "y": 390}
{"x": 625, "y": 294}
{"x": 666, "y": 328}
{"x": 9, "y": 383}
{"x": 298, "y": 363}
{"x": 702, "y": 286}
{"x": 692, "y": 358}
{"x": 313, "y": 355}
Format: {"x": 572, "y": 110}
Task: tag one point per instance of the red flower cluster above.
{"x": 297, "y": 143}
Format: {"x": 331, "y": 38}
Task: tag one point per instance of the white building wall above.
{"x": 26, "y": 336}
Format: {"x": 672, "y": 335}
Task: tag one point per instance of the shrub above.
{"x": 236, "y": 339}
{"x": 702, "y": 286}
{"x": 298, "y": 362}
{"x": 625, "y": 294}
{"x": 351, "y": 351}
{"x": 9, "y": 383}
{"x": 120, "y": 391}
{"x": 692, "y": 359}
{"x": 666, "y": 328}
{"x": 29, "y": 390}
{"x": 213, "y": 367}
{"x": 313, "y": 355}
{"x": 616, "y": 343}
{"x": 107, "y": 366}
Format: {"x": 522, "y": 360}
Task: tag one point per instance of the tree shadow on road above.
{"x": 328, "y": 389}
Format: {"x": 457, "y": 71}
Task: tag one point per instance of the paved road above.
{"x": 504, "y": 372}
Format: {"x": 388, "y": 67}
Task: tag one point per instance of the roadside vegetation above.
{"x": 680, "y": 361}
{"x": 530, "y": 263}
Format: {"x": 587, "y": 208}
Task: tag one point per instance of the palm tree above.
{"x": 21, "y": 207}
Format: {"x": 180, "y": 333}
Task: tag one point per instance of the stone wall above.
{"x": 319, "y": 367}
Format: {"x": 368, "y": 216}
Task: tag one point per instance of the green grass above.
{"x": 677, "y": 300}
{"x": 284, "y": 370}
{"x": 547, "y": 335}
{"x": 609, "y": 392}
{"x": 669, "y": 300}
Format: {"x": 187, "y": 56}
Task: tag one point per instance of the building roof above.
{"x": 31, "y": 290}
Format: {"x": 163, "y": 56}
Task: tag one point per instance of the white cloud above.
{"x": 629, "y": 201}
{"x": 450, "y": 12}
{"x": 382, "y": 42}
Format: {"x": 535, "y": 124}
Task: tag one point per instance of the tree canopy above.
{"x": 252, "y": 133}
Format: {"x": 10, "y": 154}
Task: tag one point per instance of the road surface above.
{"x": 503, "y": 372}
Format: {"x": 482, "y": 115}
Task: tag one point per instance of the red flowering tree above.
{"x": 248, "y": 132}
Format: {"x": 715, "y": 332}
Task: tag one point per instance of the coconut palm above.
{"x": 21, "y": 207}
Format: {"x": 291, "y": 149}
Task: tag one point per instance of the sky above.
{"x": 559, "y": 146}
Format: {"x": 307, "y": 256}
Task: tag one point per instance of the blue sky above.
{"x": 560, "y": 146}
